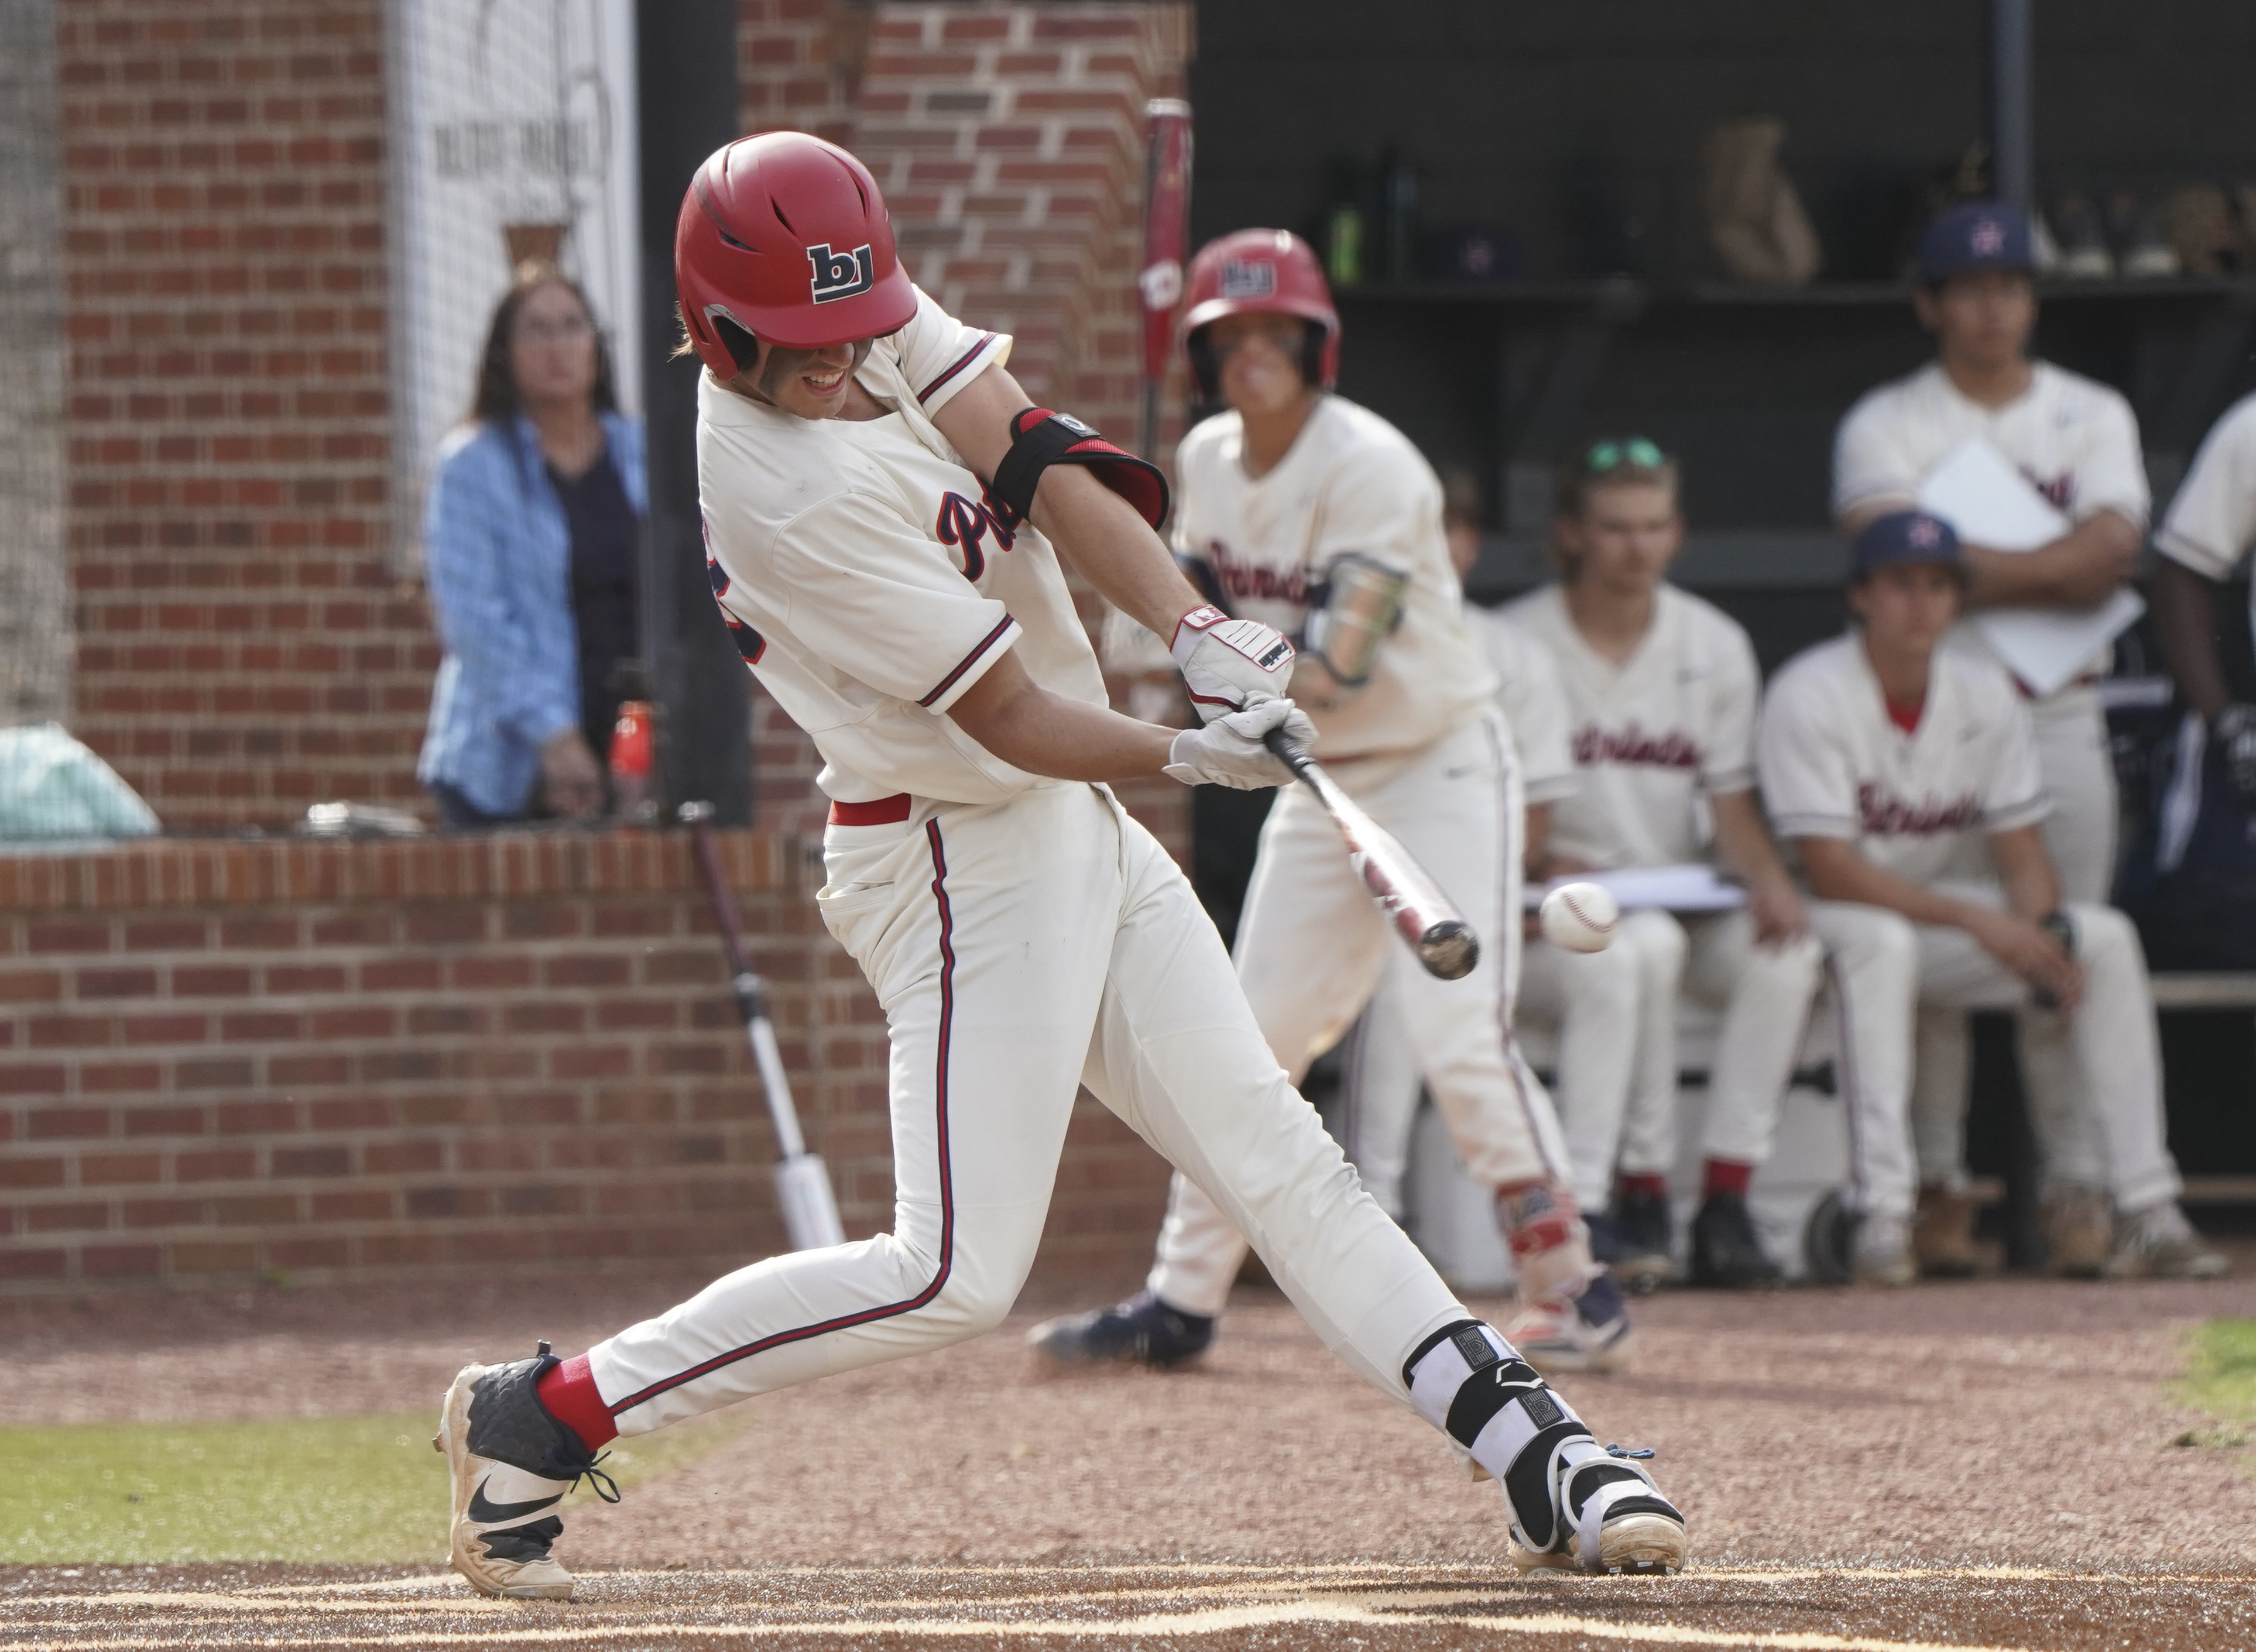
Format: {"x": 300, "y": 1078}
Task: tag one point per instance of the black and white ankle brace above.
{"x": 1559, "y": 1483}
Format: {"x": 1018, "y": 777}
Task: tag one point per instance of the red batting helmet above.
{"x": 787, "y": 237}
{"x": 1272, "y": 271}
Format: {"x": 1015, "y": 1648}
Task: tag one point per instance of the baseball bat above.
{"x": 1413, "y": 902}
{"x": 1159, "y": 276}
{"x": 810, "y": 1213}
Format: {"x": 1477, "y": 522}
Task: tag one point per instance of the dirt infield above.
{"x": 1988, "y": 1464}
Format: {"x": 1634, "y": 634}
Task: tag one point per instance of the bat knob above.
{"x": 1449, "y": 949}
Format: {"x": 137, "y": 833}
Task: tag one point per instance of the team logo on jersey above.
{"x": 1675, "y": 749}
{"x": 1248, "y": 278}
{"x": 840, "y": 275}
{"x": 969, "y": 526}
{"x": 1885, "y": 815}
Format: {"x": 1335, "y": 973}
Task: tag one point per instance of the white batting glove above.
{"x": 1229, "y": 752}
{"x": 1225, "y": 661}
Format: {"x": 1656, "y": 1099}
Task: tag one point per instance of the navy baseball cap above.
{"x": 1975, "y": 234}
{"x": 1905, "y": 536}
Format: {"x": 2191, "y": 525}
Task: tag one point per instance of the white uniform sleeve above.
{"x": 871, "y": 597}
{"x": 2013, "y": 795}
{"x": 2110, "y": 473}
{"x": 1872, "y": 463}
{"x": 1379, "y": 502}
{"x": 1534, "y": 708}
{"x": 1727, "y": 757}
{"x": 1808, "y": 776}
{"x": 2212, "y": 520}
{"x": 938, "y": 354}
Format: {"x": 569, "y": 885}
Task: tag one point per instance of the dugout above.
{"x": 1567, "y": 142}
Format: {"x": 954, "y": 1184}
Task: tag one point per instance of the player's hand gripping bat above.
{"x": 1413, "y": 902}
{"x": 810, "y": 1214}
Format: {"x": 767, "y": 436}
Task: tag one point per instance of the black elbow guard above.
{"x": 1041, "y": 438}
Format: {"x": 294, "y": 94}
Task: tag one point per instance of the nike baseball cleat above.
{"x": 510, "y": 1462}
{"x": 1632, "y": 1240}
{"x": 1141, "y": 1330}
{"x": 1727, "y": 1255}
{"x": 1607, "y": 1516}
{"x": 1588, "y": 1331}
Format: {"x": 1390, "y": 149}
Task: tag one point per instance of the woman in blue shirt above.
{"x": 530, "y": 542}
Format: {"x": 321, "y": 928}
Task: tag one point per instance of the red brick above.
{"x": 33, "y": 1264}
{"x": 219, "y": 1072}
{"x": 116, "y": 983}
{"x": 23, "y": 1172}
{"x": 162, "y": 1212}
{"x": 214, "y": 981}
{"x": 208, "y": 1258}
{"x": 240, "y": 1118}
{"x": 55, "y": 1218}
{"x": 112, "y": 1170}
{"x": 29, "y": 985}
{"x": 32, "y": 1080}
{"x": 69, "y": 935}
{"x": 165, "y": 934}
{"x": 233, "y": 1165}
{"x": 311, "y": 1161}
{"x": 121, "y": 1077}
{"x": 51, "y": 1124}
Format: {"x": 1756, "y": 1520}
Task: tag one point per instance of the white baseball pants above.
{"x": 1311, "y": 948}
{"x": 1617, "y": 1093}
{"x": 2110, "y": 1042}
{"x": 2080, "y": 836}
{"x": 1018, "y": 950}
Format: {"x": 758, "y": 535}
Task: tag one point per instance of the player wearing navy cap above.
{"x": 2076, "y": 442}
{"x": 1906, "y": 775}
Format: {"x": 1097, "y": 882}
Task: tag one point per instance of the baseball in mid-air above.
{"x": 1580, "y": 918}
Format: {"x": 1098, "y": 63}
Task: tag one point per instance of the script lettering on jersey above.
{"x": 1885, "y": 815}
{"x": 2059, "y": 492}
{"x": 749, "y": 643}
{"x": 1241, "y": 581}
{"x": 968, "y": 525}
{"x": 840, "y": 275}
{"x": 1633, "y": 746}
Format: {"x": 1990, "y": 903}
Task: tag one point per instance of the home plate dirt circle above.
{"x": 1793, "y": 1609}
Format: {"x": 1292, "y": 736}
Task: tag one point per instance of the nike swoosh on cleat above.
{"x": 486, "y": 1514}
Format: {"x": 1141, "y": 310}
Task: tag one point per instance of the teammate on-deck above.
{"x": 1661, "y": 690}
{"x": 2078, "y": 443}
{"x": 2208, "y": 533}
{"x": 880, "y": 503}
{"x": 1895, "y": 764}
{"x": 1309, "y": 513}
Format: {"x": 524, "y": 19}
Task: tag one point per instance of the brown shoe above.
{"x": 1942, "y": 1234}
{"x": 2079, "y": 1231}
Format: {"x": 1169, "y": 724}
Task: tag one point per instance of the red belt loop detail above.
{"x": 883, "y": 812}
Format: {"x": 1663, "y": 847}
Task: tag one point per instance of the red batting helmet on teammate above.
{"x": 787, "y": 237}
{"x": 1272, "y": 271}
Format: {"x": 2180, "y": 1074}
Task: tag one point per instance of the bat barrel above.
{"x": 1449, "y": 949}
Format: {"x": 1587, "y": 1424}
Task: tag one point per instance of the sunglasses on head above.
{"x": 1612, "y": 453}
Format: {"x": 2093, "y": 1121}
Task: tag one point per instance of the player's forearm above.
{"x": 1743, "y": 845}
{"x": 1836, "y": 872}
{"x": 2024, "y": 870}
{"x": 1112, "y": 547}
{"x": 2185, "y": 615}
{"x": 2078, "y": 569}
{"x": 1031, "y": 728}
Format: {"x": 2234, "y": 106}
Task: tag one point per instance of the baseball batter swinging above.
{"x": 1314, "y": 516}
{"x": 881, "y": 505}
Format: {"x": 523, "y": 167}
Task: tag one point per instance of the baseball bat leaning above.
{"x": 810, "y": 1213}
{"x": 1413, "y": 902}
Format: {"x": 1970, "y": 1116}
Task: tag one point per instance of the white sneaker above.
{"x": 1588, "y": 1331}
{"x": 1883, "y": 1251}
{"x": 2159, "y": 1243}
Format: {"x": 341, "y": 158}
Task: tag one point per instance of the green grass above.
{"x": 2220, "y": 1378}
{"x": 336, "y": 1488}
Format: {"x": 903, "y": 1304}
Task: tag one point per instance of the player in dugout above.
{"x": 885, "y": 512}
{"x": 2077, "y": 443}
{"x": 2208, "y": 533}
{"x": 1893, "y": 763}
{"x": 1661, "y": 689}
{"x": 1313, "y": 515}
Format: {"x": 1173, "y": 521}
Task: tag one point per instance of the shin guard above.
{"x": 1560, "y": 1484}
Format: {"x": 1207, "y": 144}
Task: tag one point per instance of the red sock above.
{"x": 1653, "y": 1186}
{"x": 568, "y": 1392}
{"x": 1727, "y": 1175}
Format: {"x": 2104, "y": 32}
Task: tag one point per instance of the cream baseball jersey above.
{"x": 2212, "y": 521}
{"x": 1351, "y": 484}
{"x": 866, "y": 581}
{"x": 2075, "y": 439}
{"x": 1654, "y": 736}
{"x": 1835, "y": 765}
{"x": 1534, "y": 705}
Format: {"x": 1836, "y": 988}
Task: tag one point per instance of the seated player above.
{"x": 1889, "y": 762}
{"x": 1310, "y": 514}
{"x": 1660, "y": 690}
{"x": 882, "y": 506}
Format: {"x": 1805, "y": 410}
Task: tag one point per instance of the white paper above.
{"x": 1977, "y": 491}
{"x": 1694, "y": 888}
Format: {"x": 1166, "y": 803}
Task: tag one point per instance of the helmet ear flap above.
{"x": 1206, "y": 371}
{"x": 1315, "y": 335}
{"x": 743, "y": 349}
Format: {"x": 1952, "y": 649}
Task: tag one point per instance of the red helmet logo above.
{"x": 786, "y": 237}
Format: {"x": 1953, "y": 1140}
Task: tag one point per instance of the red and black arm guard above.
{"x": 1041, "y": 438}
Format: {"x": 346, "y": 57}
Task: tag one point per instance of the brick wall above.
{"x": 351, "y": 1060}
{"x": 1008, "y": 138}
{"x": 241, "y": 651}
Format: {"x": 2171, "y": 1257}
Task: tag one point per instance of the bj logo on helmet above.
{"x": 1254, "y": 278}
{"x": 840, "y": 275}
